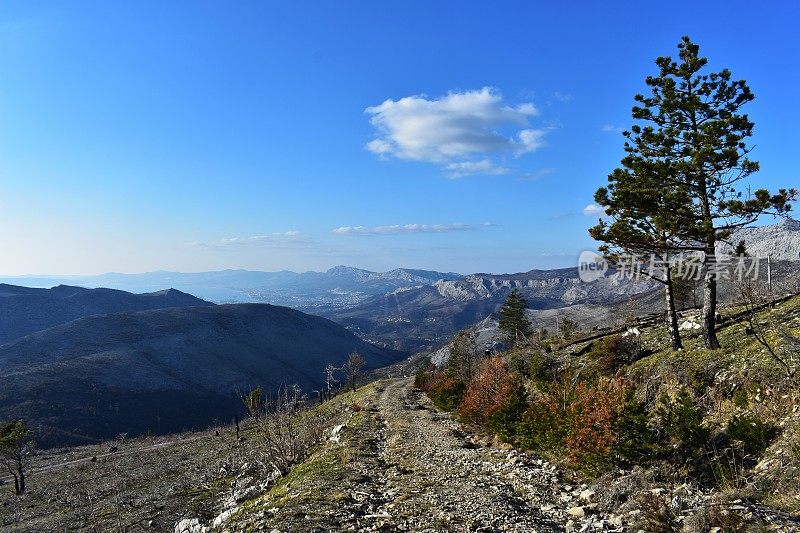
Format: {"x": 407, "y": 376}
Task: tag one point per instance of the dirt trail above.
{"x": 441, "y": 480}
{"x": 408, "y": 467}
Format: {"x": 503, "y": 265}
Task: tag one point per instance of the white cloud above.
{"x": 271, "y": 238}
{"x": 610, "y": 128}
{"x": 459, "y": 128}
{"x": 592, "y": 210}
{"x": 400, "y": 229}
{"x": 466, "y": 168}
{"x": 562, "y": 97}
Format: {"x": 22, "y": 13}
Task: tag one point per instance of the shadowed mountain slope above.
{"x": 165, "y": 370}
{"x": 24, "y": 310}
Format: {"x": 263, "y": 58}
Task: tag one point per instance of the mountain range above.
{"x": 337, "y": 287}
{"x": 402, "y": 309}
{"x": 411, "y": 309}
{"x": 159, "y": 369}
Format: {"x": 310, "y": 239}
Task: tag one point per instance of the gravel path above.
{"x": 400, "y": 464}
{"x": 438, "y": 479}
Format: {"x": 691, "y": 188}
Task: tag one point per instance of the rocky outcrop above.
{"x": 779, "y": 241}
{"x": 564, "y": 286}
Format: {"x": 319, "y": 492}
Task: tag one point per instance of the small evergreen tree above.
{"x": 16, "y": 446}
{"x": 636, "y": 441}
{"x": 682, "y": 424}
{"x": 513, "y": 321}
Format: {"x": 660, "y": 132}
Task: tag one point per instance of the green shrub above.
{"x": 740, "y": 399}
{"x": 682, "y": 424}
{"x": 447, "y": 393}
{"x": 505, "y": 420}
{"x": 544, "y": 426}
{"x": 254, "y": 401}
{"x": 424, "y": 376}
{"x": 616, "y": 351}
{"x": 752, "y": 432}
{"x": 542, "y": 370}
{"x": 701, "y": 378}
{"x": 636, "y": 439}
{"x": 794, "y": 448}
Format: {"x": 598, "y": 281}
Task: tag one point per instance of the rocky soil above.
{"x": 399, "y": 464}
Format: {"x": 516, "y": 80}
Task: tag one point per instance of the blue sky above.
{"x": 191, "y": 136}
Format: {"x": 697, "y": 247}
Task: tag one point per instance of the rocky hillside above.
{"x": 165, "y": 370}
{"x": 24, "y": 310}
{"x": 423, "y": 317}
{"x": 779, "y": 241}
{"x": 387, "y": 460}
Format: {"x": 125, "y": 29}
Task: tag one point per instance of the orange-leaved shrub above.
{"x": 577, "y": 420}
{"x": 495, "y": 398}
{"x": 593, "y": 436}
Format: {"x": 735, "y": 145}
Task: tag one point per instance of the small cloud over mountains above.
{"x": 464, "y": 132}
{"x": 403, "y": 229}
{"x": 484, "y": 166}
{"x": 271, "y": 238}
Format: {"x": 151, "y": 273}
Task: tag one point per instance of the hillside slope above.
{"x": 24, "y": 310}
{"x": 165, "y": 370}
{"x": 388, "y": 460}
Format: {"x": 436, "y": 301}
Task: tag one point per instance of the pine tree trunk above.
{"x": 672, "y": 314}
{"x": 21, "y": 480}
{"x": 710, "y": 299}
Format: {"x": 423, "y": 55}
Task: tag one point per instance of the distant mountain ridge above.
{"x": 24, "y": 310}
{"x": 411, "y": 309}
{"x": 338, "y": 287}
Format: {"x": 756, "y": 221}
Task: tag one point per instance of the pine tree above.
{"x": 691, "y": 137}
{"x": 513, "y": 320}
{"x": 641, "y": 232}
{"x": 464, "y": 359}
